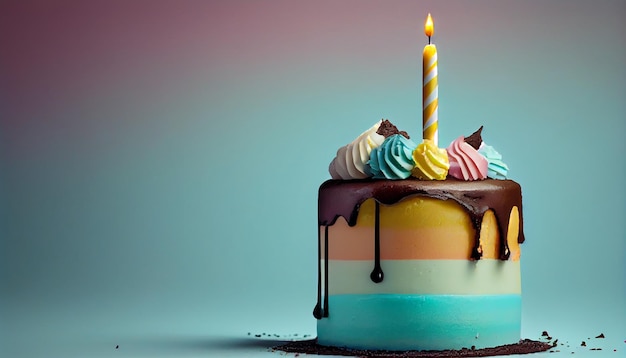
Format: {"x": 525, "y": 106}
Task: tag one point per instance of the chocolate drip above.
{"x": 325, "y": 313}
{"x": 377, "y": 274}
{"x": 504, "y": 245}
{"x": 322, "y": 311}
{"x": 477, "y": 252}
{"x": 317, "y": 311}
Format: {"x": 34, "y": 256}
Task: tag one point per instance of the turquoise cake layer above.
{"x": 420, "y": 322}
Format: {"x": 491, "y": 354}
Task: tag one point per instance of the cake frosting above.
{"x": 418, "y": 245}
{"x": 351, "y": 160}
{"x": 466, "y": 162}
{"x": 431, "y": 162}
{"x": 393, "y": 159}
{"x": 495, "y": 166}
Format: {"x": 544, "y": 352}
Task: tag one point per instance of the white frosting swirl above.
{"x": 351, "y": 159}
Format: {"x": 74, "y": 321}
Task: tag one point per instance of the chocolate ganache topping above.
{"x": 343, "y": 198}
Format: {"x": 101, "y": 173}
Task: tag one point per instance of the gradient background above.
{"x": 160, "y": 159}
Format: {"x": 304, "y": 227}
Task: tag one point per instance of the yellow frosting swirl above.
{"x": 431, "y": 162}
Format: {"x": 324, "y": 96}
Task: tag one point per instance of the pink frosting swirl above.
{"x": 465, "y": 161}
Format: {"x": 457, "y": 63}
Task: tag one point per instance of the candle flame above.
{"x": 429, "y": 27}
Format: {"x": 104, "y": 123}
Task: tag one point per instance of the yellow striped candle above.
{"x": 430, "y": 93}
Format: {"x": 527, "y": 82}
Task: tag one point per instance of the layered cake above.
{"x": 418, "y": 245}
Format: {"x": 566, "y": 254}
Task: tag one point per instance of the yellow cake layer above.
{"x": 420, "y": 228}
{"x": 454, "y": 277}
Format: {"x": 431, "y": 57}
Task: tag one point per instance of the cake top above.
{"x": 343, "y": 198}
{"x": 384, "y": 152}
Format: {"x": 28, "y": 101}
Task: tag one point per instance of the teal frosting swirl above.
{"x": 393, "y": 159}
{"x": 496, "y": 169}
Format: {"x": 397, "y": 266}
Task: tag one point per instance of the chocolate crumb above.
{"x": 257, "y": 335}
{"x": 595, "y": 349}
{"x": 601, "y": 335}
{"x": 473, "y": 348}
{"x": 311, "y": 347}
{"x": 387, "y": 129}
{"x": 117, "y": 346}
{"x": 475, "y": 139}
{"x": 545, "y": 334}
{"x": 583, "y": 344}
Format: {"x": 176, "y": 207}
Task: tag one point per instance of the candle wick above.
{"x": 429, "y": 40}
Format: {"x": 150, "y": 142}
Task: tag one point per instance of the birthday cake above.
{"x": 418, "y": 246}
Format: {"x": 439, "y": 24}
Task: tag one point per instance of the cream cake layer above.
{"x": 454, "y": 277}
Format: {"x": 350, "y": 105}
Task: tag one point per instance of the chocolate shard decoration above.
{"x": 387, "y": 129}
{"x": 475, "y": 139}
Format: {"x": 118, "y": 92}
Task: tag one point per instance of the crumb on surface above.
{"x": 311, "y": 347}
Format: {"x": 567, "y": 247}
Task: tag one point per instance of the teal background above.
{"x": 159, "y": 160}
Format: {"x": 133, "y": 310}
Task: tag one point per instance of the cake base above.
{"x": 420, "y": 322}
{"x": 524, "y": 346}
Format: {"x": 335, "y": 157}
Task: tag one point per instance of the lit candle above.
{"x": 430, "y": 92}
